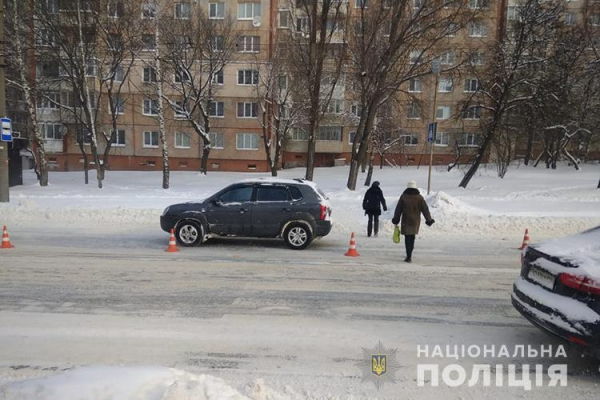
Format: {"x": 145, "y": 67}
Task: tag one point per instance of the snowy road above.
{"x": 244, "y": 310}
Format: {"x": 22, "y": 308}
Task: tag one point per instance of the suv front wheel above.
{"x": 189, "y": 233}
{"x": 297, "y": 235}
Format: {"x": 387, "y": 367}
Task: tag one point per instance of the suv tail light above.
{"x": 323, "y": 212}
{"x": 580, "y": 283}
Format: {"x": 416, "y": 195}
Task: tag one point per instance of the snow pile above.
{"x": 444, "y": 203}
{"x": 125, "y": 383}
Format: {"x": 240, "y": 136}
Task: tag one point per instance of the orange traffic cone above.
{"x": 5, "y": 240}
{"x": 525, "y": 240}
{"x": 172, "y": 247}
{"x": 352, "y": 250}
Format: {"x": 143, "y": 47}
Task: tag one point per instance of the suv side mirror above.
{"x": 216, "y": 202}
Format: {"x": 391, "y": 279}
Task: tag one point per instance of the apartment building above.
{"x": 236, "y": 133}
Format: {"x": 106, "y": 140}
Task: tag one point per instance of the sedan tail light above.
{"x": 580, "y": 283}
{"x": 323, "y": 212}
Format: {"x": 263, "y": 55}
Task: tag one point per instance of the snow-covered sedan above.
{"x": 559, "y": 288}
{"x": 293, "y": 209}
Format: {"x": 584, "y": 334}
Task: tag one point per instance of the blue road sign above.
{"x": 6, "y": 129}
{"x": 431, "y": 131}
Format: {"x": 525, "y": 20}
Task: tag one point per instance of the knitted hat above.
{"x": 412, "y": 185}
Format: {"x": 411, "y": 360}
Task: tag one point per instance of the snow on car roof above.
{"x": 582, "y": 250}
{"x": 274, "y": 181}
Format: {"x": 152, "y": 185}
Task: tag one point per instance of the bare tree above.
{"x": 278, "y": 114}
{"x": 507, "y": 81}
{"x": 197, "y": 51}
{"x": 317, "y": 55}
{"x": 391, "y": 43}
{"x": 19, "y": 51}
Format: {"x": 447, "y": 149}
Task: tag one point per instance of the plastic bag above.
{"x": 396, "y": 236}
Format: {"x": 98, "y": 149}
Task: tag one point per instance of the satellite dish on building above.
{"x": 256, "y": 21}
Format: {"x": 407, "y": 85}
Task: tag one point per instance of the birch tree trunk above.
{"x": 40, "y": 151}
{"x": 161, "y": 111}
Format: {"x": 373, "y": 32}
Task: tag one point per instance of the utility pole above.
{"x": 435, "y": 68}
{"x": 4, "y": 179}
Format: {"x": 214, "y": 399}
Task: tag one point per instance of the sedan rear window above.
{"x": 272, "y": 193}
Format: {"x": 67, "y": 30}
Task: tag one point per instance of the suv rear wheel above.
{"x": 189, "y": 233}
{"x": 297, "y": 235}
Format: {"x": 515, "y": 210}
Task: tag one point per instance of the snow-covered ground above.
{"x": 92, "y": 307}
{"x": 549, "y": 203}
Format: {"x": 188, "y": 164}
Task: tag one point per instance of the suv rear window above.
{"x": 296, "y": 193}
{"x": 272, "y": 193}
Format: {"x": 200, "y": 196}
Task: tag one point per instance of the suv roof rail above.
{"x": 301, "y": 180}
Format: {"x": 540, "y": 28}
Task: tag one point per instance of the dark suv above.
{"x": 296, "y": 210}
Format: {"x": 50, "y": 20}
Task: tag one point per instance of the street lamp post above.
{"x": 435, "y": 69}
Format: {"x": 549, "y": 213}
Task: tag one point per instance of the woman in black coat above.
{"x": 372, "y": 205}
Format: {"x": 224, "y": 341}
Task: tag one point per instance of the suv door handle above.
{"x": 243, "y": 210}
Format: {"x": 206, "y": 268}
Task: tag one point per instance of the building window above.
{"x": 477, "y": 58}
{"x": 149, "y": 9}
{"x": 119, "y": 104}
{"x": 119, "y": 138}
{"x": 299, "y": 134}
{"x": 150, "y": 139}
{"x": 51, "y": 131}
{"x": 514, "y": 13}
{"x": 119, "y": 74}
{"x": 472, "y": 112}
{"x": 447, "y": 58}
{"x": 351, "y": 137}
{"x": 330, "y": 133}
{"x": 477, "y": 29}
{"x": 471, "y": 85}
{"x": 247, "y": 141}
{"x": 217, "y": 140}
{"x": 180, "y": 111}
{"x": 441, "y": 139}
{"x": 148, "y": 42}
{"x": 149, "y": 75}
{"x": 247, "y": 110}
{"x": 115, "y": 8}
{"x": 283, "y": 82}
{"x": 302, "y": 24}
{"x": 415, "y": 56}
{"x": 248, "y": 10}
{"x": 182, "y": 76}
{"x": 90, "y": 70}
{"x": 594, "y": 20}
{"x": 413, "y": 111}
{"x": 50, "y": 6}
{"x": 183, "y": 140}
{"x": 411, "y": 140}
{"x": 356, "y": 110}
{"x": 247, "y": 77}
{"x": 570, "y": 19}
{"x": 452, "y": 29}
{"x": 415, "y": 85}
{"x": 468, "y": 140}
{"x": 284, "y": 19}
{"x": 150, "y": 107}
{"x": 249, "y": 44}
{"x": 218, "y": 78}
{"x": 49, "y": 101}
{"x": 478, "y": 4}
{"x": 442, "y": 112}
{"x": 445, "y": 85}
{"x": 335, "y": 106}
{"x": 45, "y": 38}
{"x": 218, "y": 43}
{"x": 216, "y": 10}
{"x": 216, "y": 109}
{"x": 361, "y": 3}
{"x": 183, "y": 11}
